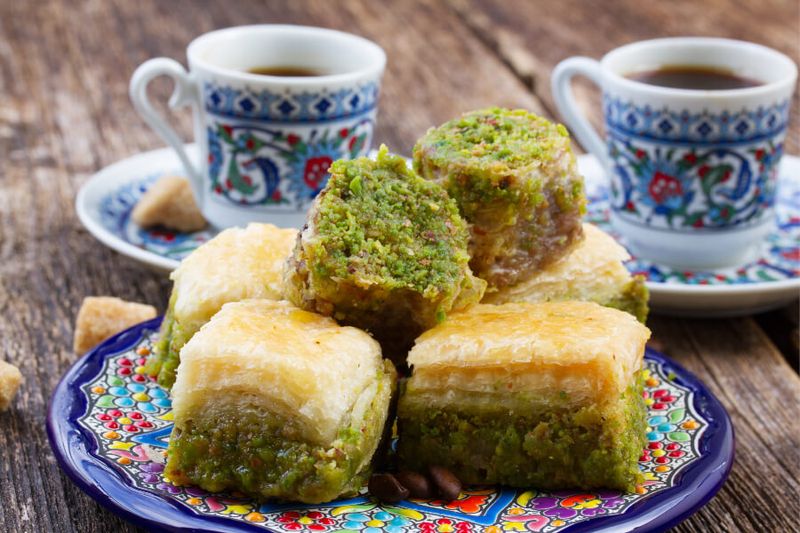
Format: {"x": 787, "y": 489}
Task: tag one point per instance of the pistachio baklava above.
{"x": 514, "y": 177}
{"x": 238, "y": 263}
{"x": 593, "y": 271}
{"x": 276, "y": 402}
{"x": 382, "y": 250}
{"x": 541, "y": 395}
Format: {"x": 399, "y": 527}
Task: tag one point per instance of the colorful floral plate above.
{"x": 109, "y": 425}
{"x": 105, "y": 202}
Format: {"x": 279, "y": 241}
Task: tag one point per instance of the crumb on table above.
{"x": 102, "y": 316}
{"x": 10, "y": 379}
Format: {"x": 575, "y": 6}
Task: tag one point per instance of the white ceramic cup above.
{"x": 693, "y": 172}
{"x": 266, "y": 141}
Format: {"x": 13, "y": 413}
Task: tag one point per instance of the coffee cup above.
{"x": 692, "y": 171}
{"x": 274, "y": 106}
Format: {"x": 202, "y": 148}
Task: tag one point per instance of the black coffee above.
{"x": 694, "y": 77}
{"x": 286, "y": 70}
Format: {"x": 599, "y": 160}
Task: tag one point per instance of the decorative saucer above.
{"x": 109, "y": 425}
{"x": 105, "y": 202}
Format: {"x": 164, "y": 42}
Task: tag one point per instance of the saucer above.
{"x": 109, "y": 428}
{"x": 771, "y": 279}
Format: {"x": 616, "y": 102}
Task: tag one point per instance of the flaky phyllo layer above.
{"x": 543, "y": 395}
{"x": 234, "y": 442}
{"x": 235, "y": 265}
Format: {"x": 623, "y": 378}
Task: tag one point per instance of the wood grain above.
{"x": 64, "y": 114}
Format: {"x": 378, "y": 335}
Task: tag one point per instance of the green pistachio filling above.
{"x": 633, "y": 299}
{"x": 166, "y": 354}
{"x": 263, "y": 455}
{"x": 384, "y": 249}
{"x": 595, "y": 446}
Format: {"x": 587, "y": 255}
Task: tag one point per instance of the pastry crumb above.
{"x": 102, "y": 316}
{"x": 169, "y": 202}
{"x": 10, "y": 379}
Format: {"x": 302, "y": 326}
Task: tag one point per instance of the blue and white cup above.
{"x": 266, "y": 142}
{"x": 693, "y": 172}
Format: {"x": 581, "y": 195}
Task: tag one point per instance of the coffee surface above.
{"x": 705, "y": 78}
{"x": 286, "y": 71}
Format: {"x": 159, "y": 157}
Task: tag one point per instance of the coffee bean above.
{"x": 386, "y": 488}
{"x": 417, "y": 484}
{"x": 447, "y": 484}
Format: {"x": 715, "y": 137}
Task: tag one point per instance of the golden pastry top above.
{"x": 579, "y": 350}
{"x": 593, "y": 270}
{"x": 238, "y": 263}
{"x": 294, "y": 362}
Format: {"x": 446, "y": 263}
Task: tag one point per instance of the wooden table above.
{"x": 64, "y": 114}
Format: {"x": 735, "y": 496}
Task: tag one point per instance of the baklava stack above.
{"x": 528, "y": 395}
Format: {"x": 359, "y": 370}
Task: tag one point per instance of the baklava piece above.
{"x": 102, "y": 316}
{"x": 515, "y": 179}
{"x": 235, "y": 265}
{"x": 276, "y": 402}
{"x": 170, "y": 203}
{"x": 528, "y": 395}
{"x": 382, "y": 250}
{"x": 593, "y": 272}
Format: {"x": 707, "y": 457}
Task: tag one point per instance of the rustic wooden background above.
{"x": 64, "y": 114}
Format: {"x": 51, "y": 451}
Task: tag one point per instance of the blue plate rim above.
{"x": 697, "y": 484}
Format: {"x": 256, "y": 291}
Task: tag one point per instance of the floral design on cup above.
{"x": 665, "y": 186}
{"x": 255, "y": 165}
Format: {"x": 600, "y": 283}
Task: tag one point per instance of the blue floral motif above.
{"x": 303, "y": 106}
{"x": 390, "y": 523}
{"x": 693, "y": 171}
{"x": 666, "y": 125}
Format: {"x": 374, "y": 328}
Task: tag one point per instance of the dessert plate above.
{"x": 105, "y": 202}
{"x": 109, "y": 425}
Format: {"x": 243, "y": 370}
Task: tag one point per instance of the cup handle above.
{"x": 565, "y": 102}
{"x": 185, "y": 93}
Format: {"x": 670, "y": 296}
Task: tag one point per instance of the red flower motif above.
{"x": 292, "y": 139}
{"x": 343, "y": 132}
{"x": 470, "y": 504}
{"x": 276, "y": 195}
{"x": 352, "y": 143}
{"x": 698, "y": 223}
{"x": 690, "y": 158}
{"x": 217, "y": 189}
{"x": 726, "y": 176}
{"x": 228, "y": 184}
{"x": 664, "y": 186}
{"x": 629, "y": 206}
{"x": 228, "y": 130}
{"x": 247, "y": 179}
{"x": 702, "y": 171}
{"x": 250, "y": 144}
{"x": 315, "y": 171}
{"x": 640, "y": 154}
{"x": 792, "y": 255}
{"x": 759, "y": 154}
